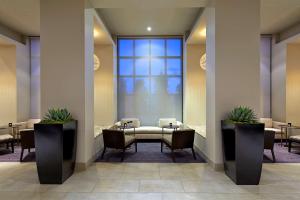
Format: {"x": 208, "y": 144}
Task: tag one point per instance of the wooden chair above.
{"x": 27, "y": 141}
{"x": 269, "y": 142}
{"x": 180, "y": 139}
{"x": 116, "y": 139}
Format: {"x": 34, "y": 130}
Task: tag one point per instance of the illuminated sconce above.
{"x": 203, "y": 61}
{"x": 96, "y": 63}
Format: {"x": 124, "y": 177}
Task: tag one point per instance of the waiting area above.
{"x": 149, "y": 99}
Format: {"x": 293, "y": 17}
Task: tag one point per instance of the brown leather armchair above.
{"x": 116, "y": 139}
{"x": 180, "y": 139}
{"x": 27, "y": 141}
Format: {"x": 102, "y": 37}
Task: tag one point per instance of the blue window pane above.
{"x": 142, "y": 67}
{"x": 125, "y": 67}
{"x": 174, "y": 66}
{"x": 125, "y": 47}
{"x": 157, "y": 66}
{"x": 174, "y": 85}
{"x": 142, "y": 85}
{"x": 158, "y": 47}
{"x": 126, "y": 85}
{"x": 142, "y": 48}
{"x": 174, "y": 47}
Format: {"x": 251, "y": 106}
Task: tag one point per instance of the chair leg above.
{"x": 12, "y": 147}
{"x": 173, "y": 156}
{"x": 135, "y": 146}
{"x": 21, "y": 157}
{"x": 290, "y": 146}
{"x": 28, "y": 150}
{"x": 123, "y": 155}
{"x": 103, "y": 152}
{"x": 194, "y": 155}
{"x": 161, "y": 146}
{"x": 281, "y": 138}
{"x": 7, "y": 145}
{"x": 273, "y": 155}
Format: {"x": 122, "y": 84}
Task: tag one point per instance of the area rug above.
{"x": 282, "y": 155}
{"x": 150, "y": 153}
{"x": 7, "y": 156}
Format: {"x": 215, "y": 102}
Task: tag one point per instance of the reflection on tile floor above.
{"x": 149, "y": 181}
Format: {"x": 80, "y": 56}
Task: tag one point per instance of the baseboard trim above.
{"x": 215, "y": 166}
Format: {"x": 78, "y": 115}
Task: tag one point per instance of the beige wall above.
{"x": 233, "y": 60}
{"x": 67, "y": 57}
{"x": 8, "y": 84}
{"x": 104, "y": 93}
{"x": 278, "y": 77}
{"x": 14, "y": 83}
{"x": 293, "y": 84}
{"x": 194, "y": 87}
{"x": 23, "y": 81}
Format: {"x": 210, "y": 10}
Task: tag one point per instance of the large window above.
{"x": 150, "y": 78}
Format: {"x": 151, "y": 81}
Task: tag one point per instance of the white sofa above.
{"x": 148, "y": 132}
{"x": 273, "y": 126}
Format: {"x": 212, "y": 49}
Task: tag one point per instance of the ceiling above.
{"x": 132, "y": 16}
{"x": 163, "y": 21}
{"x": 100, "y": 34}
{"x": 21, "y": 15}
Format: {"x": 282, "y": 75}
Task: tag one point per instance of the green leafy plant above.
{"x": 242, "y": 114}
{"x": 57, "y": 116}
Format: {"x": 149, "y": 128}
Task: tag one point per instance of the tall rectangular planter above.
{"x": 243, "y": 150}
{"x": 55, "y": 146}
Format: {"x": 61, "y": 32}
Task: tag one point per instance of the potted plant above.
{"x": 243, "y": 146}
{"x": 55, "y": 143}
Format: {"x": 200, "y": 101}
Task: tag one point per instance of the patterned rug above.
{"x": 7, "y": 156}
{"x": 282, "y": 155}
{"x": 150, "y": 153}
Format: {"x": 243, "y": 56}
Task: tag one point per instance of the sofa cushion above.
{"x": 168, "y": 139}
{"x": 134, "y": 122}
{"x": 276, "y": 130}
{"x": 148, "y": 130}
{"x": 6, "y": 137}
{"x": 166, "y": 121}
{"x": 277, "y": 125}
{"x": 267, "y": 121}
{"x": 129, "y": 139}
{"x": 295, "y": 138}
{"x": 31, "y": 122}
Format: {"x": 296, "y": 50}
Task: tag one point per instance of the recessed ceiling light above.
{"x": 96, "y": 33}
{"x": 203, "y": 32}
{"x": 149, "y": 28}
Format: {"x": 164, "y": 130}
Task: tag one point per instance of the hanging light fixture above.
{"x": 203, "y": 61}
{"x": 96, "y": 62}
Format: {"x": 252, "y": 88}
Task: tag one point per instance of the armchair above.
{"x": 180, "y": 139}
{"x": 116, "y": 139}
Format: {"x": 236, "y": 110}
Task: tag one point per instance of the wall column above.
{"x": 67, "y": 66}
{"x": 233, "y": 65}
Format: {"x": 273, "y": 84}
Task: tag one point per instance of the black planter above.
{"x": 243, "y": 150}
{"x": 55, "y": 146}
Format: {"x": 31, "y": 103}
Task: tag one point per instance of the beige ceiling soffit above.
{"x": 9, "y": 33}
{"x": 149, "y": 3}
{"x": 103, "y": 26}
{"x": 199, "y": 20}
{"x": 88, "y": 4}
{"x": 289, "y": 32}
{"x": 280, "y": 2}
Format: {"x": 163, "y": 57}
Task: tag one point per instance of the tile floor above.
{"x": 151, "y": 181}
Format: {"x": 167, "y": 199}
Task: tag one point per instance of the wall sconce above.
{"x": 96, "y": 63}
{"x": 203, "y": 61}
